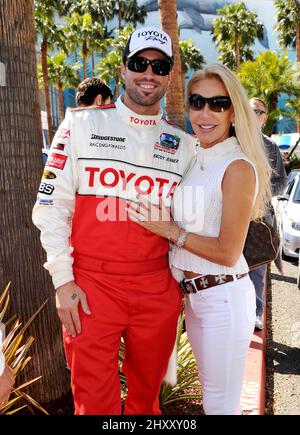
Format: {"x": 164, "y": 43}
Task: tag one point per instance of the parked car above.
{"x": 288, "y": 218}
{"x": 292, "y": 175}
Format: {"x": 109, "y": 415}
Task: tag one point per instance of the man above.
{"x": 7, "y": 379}
{"x": 112, "y": 279}
{"x": 278, "y": 184}
{"x": 93, "y": 91}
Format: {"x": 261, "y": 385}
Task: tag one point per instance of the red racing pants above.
{"x": 143, "y": 309}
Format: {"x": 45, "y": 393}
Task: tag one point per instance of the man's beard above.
{"x": 143, "y": 100}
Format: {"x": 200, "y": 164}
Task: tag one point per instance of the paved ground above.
{"x": 283, "y": 345}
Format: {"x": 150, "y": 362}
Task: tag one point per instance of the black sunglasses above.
{"x": 259, "y": 112}
{"x": 139, "y": 64}
{"x": 216, "y": 104}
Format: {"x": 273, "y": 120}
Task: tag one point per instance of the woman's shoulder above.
{"x": 241, "y": 170}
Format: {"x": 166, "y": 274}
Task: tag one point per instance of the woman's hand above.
{"x": 156, "y": 219}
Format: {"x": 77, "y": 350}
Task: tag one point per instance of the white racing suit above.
{"x": 100, "y": 157}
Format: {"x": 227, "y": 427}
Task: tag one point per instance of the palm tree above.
{"x": 174, "y": 97}
{"x": 191, "y": 57}
{"x": 235, "y": 32}
{"x": 293, "y": 105}
{"x": 109, "y": 67}
{"x": 288, "y": 24}
{"x": 21, "y": 256}
{"x": 45, "y": 11}
{"x": 100, "y": 45}
{"x": 269, "y": 76}
{"x": 82, "y": 31}
{"x": 130, "y": 12}
{"x": 100, "y": 10}
{"x": 62, "y": 76}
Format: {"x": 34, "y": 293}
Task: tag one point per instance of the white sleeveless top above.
{"x": 197, "y": 205}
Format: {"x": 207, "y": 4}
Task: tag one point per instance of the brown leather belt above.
{"x": 199, "y": 283}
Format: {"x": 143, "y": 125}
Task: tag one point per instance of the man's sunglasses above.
{"x": 216, "y": 104}
{"x": 259, "y": 112}
{"x": 139, "y": 64}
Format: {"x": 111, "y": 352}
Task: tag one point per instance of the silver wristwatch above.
{"x": 181, "y": 239}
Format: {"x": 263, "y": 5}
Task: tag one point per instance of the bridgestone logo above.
{"x": 108, "y": 138}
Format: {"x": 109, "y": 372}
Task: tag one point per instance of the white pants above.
{"x": 220, "y": 322}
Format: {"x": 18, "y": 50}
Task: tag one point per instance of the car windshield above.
{"x": 297, "y": 192}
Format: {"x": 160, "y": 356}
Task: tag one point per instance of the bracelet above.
{"x": 181, "y": 239}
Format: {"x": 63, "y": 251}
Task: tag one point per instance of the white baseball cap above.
{"x": 149, "y": 38}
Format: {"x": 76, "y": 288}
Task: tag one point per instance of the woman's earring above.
{"x": 233, "y": 124}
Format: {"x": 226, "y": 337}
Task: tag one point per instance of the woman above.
{"x": 227, "y": 186}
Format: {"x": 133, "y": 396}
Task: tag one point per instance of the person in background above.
{"x": 112, "y": 278}
{"x": 287, "y": 162}
{"x": 90, "y": 92}
{"x": 7, "y": 379}
{"x": 278, "y": 184}
{"x": 93, "y": 92}
{"x": 226, "y": 187}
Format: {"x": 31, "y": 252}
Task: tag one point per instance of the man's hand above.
{"x": 68, "y": 297}
{"x": 7, "y": 381}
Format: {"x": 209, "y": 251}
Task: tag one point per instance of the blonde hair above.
{"x": 247, "y": 129}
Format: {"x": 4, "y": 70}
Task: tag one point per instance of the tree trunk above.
{"x": 183, "y": 73}
{"x": 120, "y": 14}
{"x": 76, "y": 60}
{"x": 237, "y": 51}
{"x": 61, "y": 102}
{"x": 174, "y": 97}
{"x": 272, "y": 105}
{"x": 298, "y": 43}
{"x": 84, "y": 57}
{"x": 93, "y": 62}
{"x": 298, "y": 124}
{"x": 117, "y": 87}
{"x": 46, "y": 87}
{"x": 21, "y": 255}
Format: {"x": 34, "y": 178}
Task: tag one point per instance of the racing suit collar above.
{"x": 134, "y": 119}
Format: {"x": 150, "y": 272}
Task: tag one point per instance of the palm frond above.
{"x": 15, "y": 354}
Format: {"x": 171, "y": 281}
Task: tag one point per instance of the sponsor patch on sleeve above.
{"x": 57, "y": 161}
{"x": 59, "y": 146}
{"x": 42, "y": 201}
{"x": 48, "y": 175}
{"x": 46, "y": 188}
{"x": 63, "y": 133}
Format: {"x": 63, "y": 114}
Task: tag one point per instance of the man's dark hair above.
{"x": 88, "y": 90}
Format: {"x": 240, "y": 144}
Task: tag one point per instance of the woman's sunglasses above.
{"x": 139, "y": 64}
{"x": 216, "y": 104}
